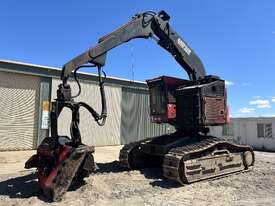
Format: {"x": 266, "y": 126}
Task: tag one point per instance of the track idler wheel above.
{"x": 248, "y": 159}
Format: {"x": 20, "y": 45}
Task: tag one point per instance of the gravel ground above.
{"x": 114, "y": 186}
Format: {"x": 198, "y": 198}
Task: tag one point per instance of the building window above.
{"x": 264, "y": 130}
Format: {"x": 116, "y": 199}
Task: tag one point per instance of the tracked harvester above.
{"x": 189, "y": 154}
{"x": 191, "y": 106}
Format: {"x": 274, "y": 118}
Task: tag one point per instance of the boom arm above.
{"x": 144, "y": 25}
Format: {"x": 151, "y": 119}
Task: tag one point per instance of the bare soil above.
{"x": 112, "y": 185}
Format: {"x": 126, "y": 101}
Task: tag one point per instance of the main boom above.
{"x": 144, "y": 25}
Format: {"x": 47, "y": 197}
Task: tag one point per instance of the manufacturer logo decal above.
{"x": 184, "y": 46}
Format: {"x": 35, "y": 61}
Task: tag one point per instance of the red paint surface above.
{"x": 44, "y": 179}
{"x": 171, "y": 111}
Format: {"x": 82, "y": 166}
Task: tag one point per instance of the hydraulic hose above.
{"x": 103, "y": 98}
{"x": 99, "y": 118}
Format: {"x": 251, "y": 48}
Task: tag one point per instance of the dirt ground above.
{"x": 113, "y": 185}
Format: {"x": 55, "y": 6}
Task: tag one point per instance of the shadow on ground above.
{"x": 150, "y": 173}
{"x": 20, "y": 187}
{"x": 158, "y": 180}
{"x": 108, "y": 167}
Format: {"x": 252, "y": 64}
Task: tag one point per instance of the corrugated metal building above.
{"x": 27, "y": 89}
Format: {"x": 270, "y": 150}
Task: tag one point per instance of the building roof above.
{"x": 254, "y": 118}
{"x": 47, "y": 71}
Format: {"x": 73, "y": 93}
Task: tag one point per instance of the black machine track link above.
{"x": 186, "y": 164}
{"x": 130, "y": 156}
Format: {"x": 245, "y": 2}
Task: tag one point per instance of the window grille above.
{"x": 264, "y": 130}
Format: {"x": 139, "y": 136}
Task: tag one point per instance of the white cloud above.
{"x": 273, "y": 99}
{"x": 246, "y": 110}
{"x": 261, "y": 103}
{"x": 228, "y": 83}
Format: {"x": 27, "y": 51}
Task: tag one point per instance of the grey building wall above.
{"x": 19, "y": 106}
{"x": 135, "y": 117}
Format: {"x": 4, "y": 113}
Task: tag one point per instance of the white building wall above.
{"x": 245, "y": 132}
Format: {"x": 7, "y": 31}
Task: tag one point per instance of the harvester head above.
{"x": 60, "y": 166}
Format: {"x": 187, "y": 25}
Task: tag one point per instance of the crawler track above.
{"x": 210, "y": 157}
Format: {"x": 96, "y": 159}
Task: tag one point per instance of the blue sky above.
{"x": 235, "y": 40}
